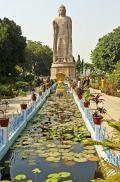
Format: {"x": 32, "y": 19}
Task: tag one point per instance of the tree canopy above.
{"x": 107, "y": 52}
{"x": 38, "y": 58}
{"x": 12, "y": 46}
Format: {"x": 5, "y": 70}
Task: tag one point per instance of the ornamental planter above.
{"x": 107, "y": 93}
{"x": 34, "y": 97}
{"x": 4, "y": 121}
{"x": 80, "y": 96}
{"x": 97, "y": 120}
{"x": 23, "y": 106}
{"x": 86, "y": 104}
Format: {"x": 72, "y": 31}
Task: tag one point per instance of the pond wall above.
{"x": 108, "y": 155}
{"x": 18, "y": 124}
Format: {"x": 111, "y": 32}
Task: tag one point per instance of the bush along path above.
{"x": 51, "y": 149}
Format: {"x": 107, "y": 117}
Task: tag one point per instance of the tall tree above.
{"x": 82, "y": 66}
{"x": 12, "y": 46}
{"x": 38, "y": 58}
{"x": 87, "y": 67}
{"x": 107, "y": 52}
{"x": 78, "y": 65}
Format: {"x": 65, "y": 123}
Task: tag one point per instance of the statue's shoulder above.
{"x": 56, "y": 18}
{"x": 68, "y": 17}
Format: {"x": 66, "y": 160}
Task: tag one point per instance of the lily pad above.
{"x": 80, "y": 159}
{"x": 69, "y": 163}
{"x": 51, "y": 180}
{"x": 36, "y": 171}
{"x": 53, "y": 175}
{"x": 32, "y": 162}
{"x": 89, "y": 151}
{"x": 64, "y": 174}
{"x": 51, "y": 145}
{"x": 53, "y": 159}
{"x": 53, "y": 154}
{"x": 64, "y": 146}
{"x": 20, "y": 177}
{"x": 94, "y": 158}
{"x": 89, "y": 147}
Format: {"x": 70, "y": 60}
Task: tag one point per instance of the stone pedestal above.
{"x": 66, "y": 68}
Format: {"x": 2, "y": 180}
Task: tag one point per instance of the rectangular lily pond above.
{"x": 51, "y": 148}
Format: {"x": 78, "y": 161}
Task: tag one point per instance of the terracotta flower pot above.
{"x": 34, "y": 97}
{"x": 23, "y": 106}
{"x": 86, "y": 104}
{"x": 4, "y": 122}
{"x": 97, "y": 120}
{"x": 80, "y": 96}
{"x": 107, "y": 93}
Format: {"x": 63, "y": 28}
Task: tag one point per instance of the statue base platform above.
{"x": 66, "y": 68}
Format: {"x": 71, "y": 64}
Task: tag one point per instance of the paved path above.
{"x": 14, "y": 105}
{"x": 111, "y": 104}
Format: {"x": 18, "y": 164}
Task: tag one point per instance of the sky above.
{"x": 91, "y": 20}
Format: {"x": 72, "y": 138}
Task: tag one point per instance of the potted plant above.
{"x": 23, "y": 106}
{"x": 87, "y": 97}
{"x": 97, "y": 115}
{"x": 73, "y": 85}
{"x": 4, "y": 121}
{"x": 40, "y": 91}
{"x": 96, "y": 98}
{"x": 34, "y": 97}
{"x": 79, "y": 92}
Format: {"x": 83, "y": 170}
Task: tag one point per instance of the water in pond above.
{"x": 51, "y": 149}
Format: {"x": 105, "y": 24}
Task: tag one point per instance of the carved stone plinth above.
{"x": 66, "y": 68}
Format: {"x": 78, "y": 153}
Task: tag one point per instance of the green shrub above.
{"x": 22, "y": 93}
{"x": 21, "y": 85}
{"x": 29, "y": 78}
{"x": 7, "y": 90}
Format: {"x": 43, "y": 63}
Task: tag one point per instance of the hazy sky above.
{"x": 91, "y": 20}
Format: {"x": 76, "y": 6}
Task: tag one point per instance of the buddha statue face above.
{"x": 62, "y": 11}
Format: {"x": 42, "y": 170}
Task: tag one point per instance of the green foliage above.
{"x": 113, "y": 124}
{"x": 29, "y": 78}
{"x": 22, "y": 93}
{"x": 106, "y": 143}
{"x": 116, "y": 76}
{"x": 78, "y": 65}
{"x": 21, "y": 85}
{"x": 8, "y": 90}
{"x": 111, "y": 178}
{"x": 107, "y": 52}
{"x": 12, "y": 45}
{"x": 38, "y": 58}
{"x": 87, "y": 95}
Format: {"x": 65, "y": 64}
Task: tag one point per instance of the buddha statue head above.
{"x": 62, "y": 10}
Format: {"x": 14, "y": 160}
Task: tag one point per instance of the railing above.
{"x": 111, "y": 156}
{"x": 24, "y": 116}
{"x": 1, "y": 137}
{"x": 29, "y": 110}
{"x": 15, "y": 123}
